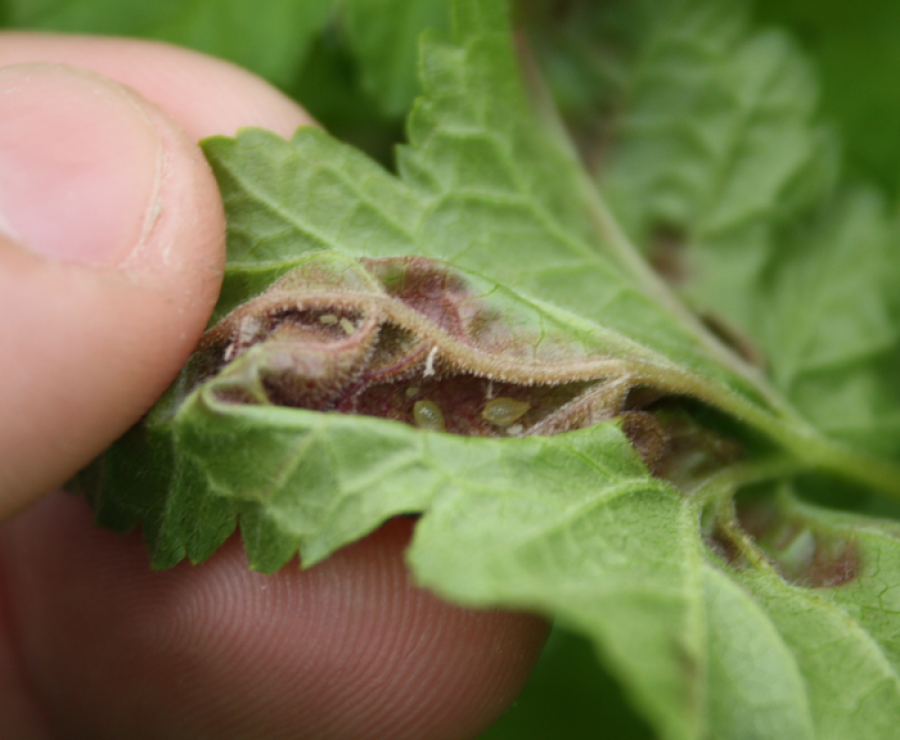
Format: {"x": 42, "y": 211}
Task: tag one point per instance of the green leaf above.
{"x": 828, "y": 307}
{"x": 868, "y": 600}
{"x": 716, "y": 147}
{"x": 801, "y": 642}
{"x": 475, "y": 340}
{"x": 755, "y": 688}
{"x": 858, "y": 61}
{"x": 852, "y": 689}
{"x": 819, "y": 588}
{"x": 568, "y": 690}
{"x": 472, "y": 194}
{"x": 384, "y": 35}
{"x": 605, "y": 547}
{"x": 827, "y": 325}
{"x": 606, "y": 550}
{"x": 273, "y": 43}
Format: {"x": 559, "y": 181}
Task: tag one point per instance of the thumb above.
{"x": 111, "y": 249}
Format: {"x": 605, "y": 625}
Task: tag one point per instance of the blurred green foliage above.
{"x": 856, "y": 47}
{"x": 561, "y": 699}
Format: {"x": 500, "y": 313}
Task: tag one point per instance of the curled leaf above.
{"x": 415, "y": 340}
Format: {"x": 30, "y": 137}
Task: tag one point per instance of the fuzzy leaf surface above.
{"x": 490, "y": 260}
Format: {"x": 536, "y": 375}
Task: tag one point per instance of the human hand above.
{"x": 110, "y": 262}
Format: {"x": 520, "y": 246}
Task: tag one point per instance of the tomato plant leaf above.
{"x": 476, "y": 341}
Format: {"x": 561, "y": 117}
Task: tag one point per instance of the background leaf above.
{"x": 858, "y": 61}
{"x": 384, "y": 34}
{"x": 273, "y": 43}
{"x": 568, "y": 692}
{"x": 714, "y": 149}
{"x": 827, "y": 325}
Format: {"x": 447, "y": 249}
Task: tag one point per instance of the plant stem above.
{"x": 813, "y": 451}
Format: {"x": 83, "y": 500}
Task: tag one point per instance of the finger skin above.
{"x": 348, "y": 649}
{"x": 99, "y": 646}
{"x": 205, "y": 96}
{"x": 89, "y": 348}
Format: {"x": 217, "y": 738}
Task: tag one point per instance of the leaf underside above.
{"x": 475, "y": 341}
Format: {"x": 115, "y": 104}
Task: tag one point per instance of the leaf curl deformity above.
{"x": 414, "y": 340}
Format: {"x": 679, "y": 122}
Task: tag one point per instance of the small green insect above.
{"x": 428, "y": 416}
{"x": 504, "y": 411}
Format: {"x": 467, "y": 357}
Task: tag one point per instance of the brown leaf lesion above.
{"x": 772, "y": 531}
{"x": 803, "y": 552}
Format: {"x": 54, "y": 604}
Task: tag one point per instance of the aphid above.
{"x": 429, "y": 362}
{"x": 504, "y": 411}
{"x": 348, "y": 326}
{"x": 328, "y": 319}
{"x": 412, "y": 391}
{"x": 428, "y": 416}
{"x": 247, "y": 329}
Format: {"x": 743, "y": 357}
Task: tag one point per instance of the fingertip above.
{"x": 207, "y": 96}
{"x": 349, "y": 649}
{"x": 108, "y": 272}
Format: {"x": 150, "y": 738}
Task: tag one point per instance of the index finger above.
{"x": 204, "y": 95}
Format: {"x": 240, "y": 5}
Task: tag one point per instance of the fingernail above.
{"x": 80, "y": 164}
